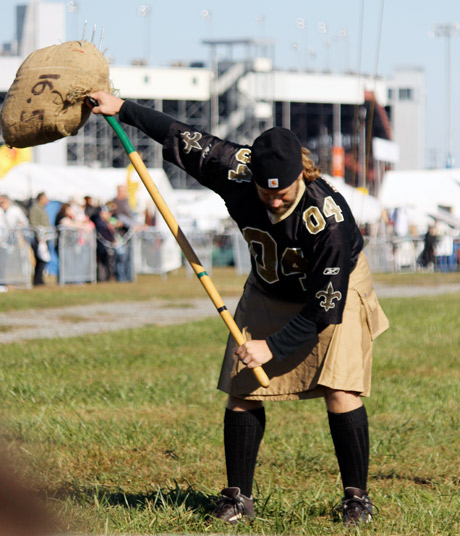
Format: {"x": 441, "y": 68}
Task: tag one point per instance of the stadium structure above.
{"x": 355, "y": 126}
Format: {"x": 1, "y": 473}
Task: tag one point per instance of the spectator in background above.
{"x": 427, "y": 257}
{"x": 66, "y": 217}
{"x": 77, "y": 205}
{"x": 40, "y": 222}
{"x": 106, "y": 237}
{"x": 122, "y": 209}
{"x": 89, "y": 208}
{"x": 12, "y": 213}
{"x": 12, "y": 220}
{"x": 127, "y": 225}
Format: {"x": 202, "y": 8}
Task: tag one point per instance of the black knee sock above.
{"x": 243, "y": 432}
{"x": 350, "y": 434}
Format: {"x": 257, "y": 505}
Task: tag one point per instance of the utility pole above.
{"x": 448, "y": 31}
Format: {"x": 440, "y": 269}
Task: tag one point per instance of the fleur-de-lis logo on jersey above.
{"x": 328, "y": 296}
{"x": 191, "y": 141}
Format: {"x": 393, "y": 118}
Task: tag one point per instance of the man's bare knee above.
{"x": 240, "y": 404}
{"x": 341, "y": 401}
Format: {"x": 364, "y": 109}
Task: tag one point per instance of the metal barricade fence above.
{"x": 121, "y": 257}
{"x": 149, "y": 252}
{"x": 241, "y": 254}
{"x": 77, "y": 255}
{"x": 403, "y": 254}
{"x": 15, "y": 256}
{"x": 379, "y": 253}
{"x": 202, "y": 244}
{"x": 396, "y": 254}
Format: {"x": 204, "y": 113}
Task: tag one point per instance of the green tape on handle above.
{"x": 128, "y": 146}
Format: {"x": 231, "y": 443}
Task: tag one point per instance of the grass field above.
{"x": 123, "y": 431}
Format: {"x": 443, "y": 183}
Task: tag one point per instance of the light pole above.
{"x": 214, "y": 87}
{"x": 448, "y": 31}
{"x": 323, "y": 29}
{"x": 145, "y": 11}
{"x": 342, "y": 34}
{"x": 73, "y": 8}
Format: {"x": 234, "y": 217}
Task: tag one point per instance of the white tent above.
{"x": 61, "y": 183}
{"x": 365, "y": 208}
{"x": 424, "y": 195}
{"x": 201, "y": 210}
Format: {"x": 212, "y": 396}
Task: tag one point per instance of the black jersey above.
{"x": 306, "y": 257}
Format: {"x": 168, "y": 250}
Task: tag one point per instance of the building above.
{"x": 406, "y": 99}
{"x": 355, "y": 126}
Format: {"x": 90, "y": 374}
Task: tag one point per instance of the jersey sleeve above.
{"x": 152, "y": 122}
{"x": 214, "y": 163}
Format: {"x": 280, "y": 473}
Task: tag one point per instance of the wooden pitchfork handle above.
{"x": 181, "y": 239}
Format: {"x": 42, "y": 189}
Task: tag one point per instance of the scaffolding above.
{"x": 231, "y": 112}
{"x": 239, "y": 105}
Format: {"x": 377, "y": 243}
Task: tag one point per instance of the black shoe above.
{"x": 356, "y": 507}
{"x": 233, "y": 506}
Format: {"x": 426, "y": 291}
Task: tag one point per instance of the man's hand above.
{"x": 108, "y": 104}
{"x": 254, "y": 353}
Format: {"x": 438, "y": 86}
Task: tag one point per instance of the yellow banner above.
{"x": 133, "y": 188}
{"x": 12, "y": 157}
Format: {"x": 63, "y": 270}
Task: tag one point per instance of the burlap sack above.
{"x": 46, "y": 100}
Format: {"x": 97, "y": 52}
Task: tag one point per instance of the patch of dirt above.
{"x": 63, "y": 322}
{"x": 79, "y": 320}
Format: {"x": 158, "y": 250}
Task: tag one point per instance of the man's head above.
{"x": 276, "y": 165}
{"x": 105, "y": 212}
{"x": 122, "y": 191}
{"x": 276, "y": 159}
{"x": 4, "y": 202}
{"x": 42, "y": 199}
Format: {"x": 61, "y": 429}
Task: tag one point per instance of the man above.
{"x": 89, "y": 209}
{"x": 106, "y": 236}
{"x": 308, "y": 304}
{"x": 126, "y": 222}
{"x": 12, "y": 214}
{"x": 39, "y": 220}
{"x": 13, "y": 230}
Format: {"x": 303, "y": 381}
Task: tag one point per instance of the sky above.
{"x": 367, "y": 36}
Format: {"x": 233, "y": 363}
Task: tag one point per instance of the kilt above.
{"x": 340, "y": 357}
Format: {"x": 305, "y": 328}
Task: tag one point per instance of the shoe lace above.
{"x": 237, "y": 504}
{"x": 355, "y": 505}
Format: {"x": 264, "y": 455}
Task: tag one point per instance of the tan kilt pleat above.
{"x": 340, "y": 357}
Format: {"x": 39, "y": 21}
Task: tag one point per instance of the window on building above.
{"x": 406, "y": 94}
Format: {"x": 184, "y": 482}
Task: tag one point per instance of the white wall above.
{"x": 408, "y": 117}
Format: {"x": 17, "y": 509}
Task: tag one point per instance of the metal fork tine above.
{"x": 100, "y": 40}
{"x": 84, "y": 31}
{"x": 93, "y": 34}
